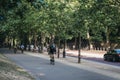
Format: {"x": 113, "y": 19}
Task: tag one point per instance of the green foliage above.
{"x": 62, "y": 18}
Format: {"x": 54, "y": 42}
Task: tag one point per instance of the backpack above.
{"x": 53, "y": 48}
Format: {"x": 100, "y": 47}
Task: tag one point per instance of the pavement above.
{"x": 100, "y": 69}
{"x": 65, "y": 68}
{"x": 87, "y": 53}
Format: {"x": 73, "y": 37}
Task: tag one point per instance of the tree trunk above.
{"x": 107, "y": 39}
{"x": 29, "y": 39}
{"x": 58, "y": 48}
{"x": 35, "y": 40}
{"x": 14, "y": 41}
{"x": 64, "y": 52}
{"x": 75, "y": 44}
{"x": 89, "y": 42}
{"x": 41, "y": 43}
{"x": 79, "y": 48}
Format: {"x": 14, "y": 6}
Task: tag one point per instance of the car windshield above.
{"x": 117, "y": 51}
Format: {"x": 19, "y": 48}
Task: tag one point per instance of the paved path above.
{"x": 64, "y": 69}
{"x": 87, "y": 53}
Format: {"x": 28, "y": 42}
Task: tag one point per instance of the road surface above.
{"x": 64, "y": 69}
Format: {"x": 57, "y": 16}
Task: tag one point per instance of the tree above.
{"x": 105, "y": 15}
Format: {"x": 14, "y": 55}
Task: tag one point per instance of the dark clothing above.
{"x": 52, "y": 49}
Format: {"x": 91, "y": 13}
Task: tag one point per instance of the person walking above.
{"x": 52, "y": 51}
{"x": 22, "y": 48}
{"x": 15, "y": 48}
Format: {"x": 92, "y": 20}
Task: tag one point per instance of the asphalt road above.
{"x": 96, "y": 56}
{"x": 64, "y": 69}
{"x": 99, "y": 60}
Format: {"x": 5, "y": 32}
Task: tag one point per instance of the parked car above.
{"x": 112, "y": 55}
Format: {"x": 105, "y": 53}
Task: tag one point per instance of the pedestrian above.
{"x": 15, "y": 48}
{"x": 52, "y": 51}
{"x": 22, "y": 48}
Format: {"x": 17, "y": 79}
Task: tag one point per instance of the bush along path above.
{"x": 10, "y": 71}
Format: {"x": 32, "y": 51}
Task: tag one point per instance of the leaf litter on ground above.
{"x": 10, "y": 71}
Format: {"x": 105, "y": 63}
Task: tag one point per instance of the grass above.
{"x": 10, "y": 71}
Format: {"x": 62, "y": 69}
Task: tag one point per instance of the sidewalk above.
{"x": 84, "y": 53}
{"x": 87, "y": 53}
